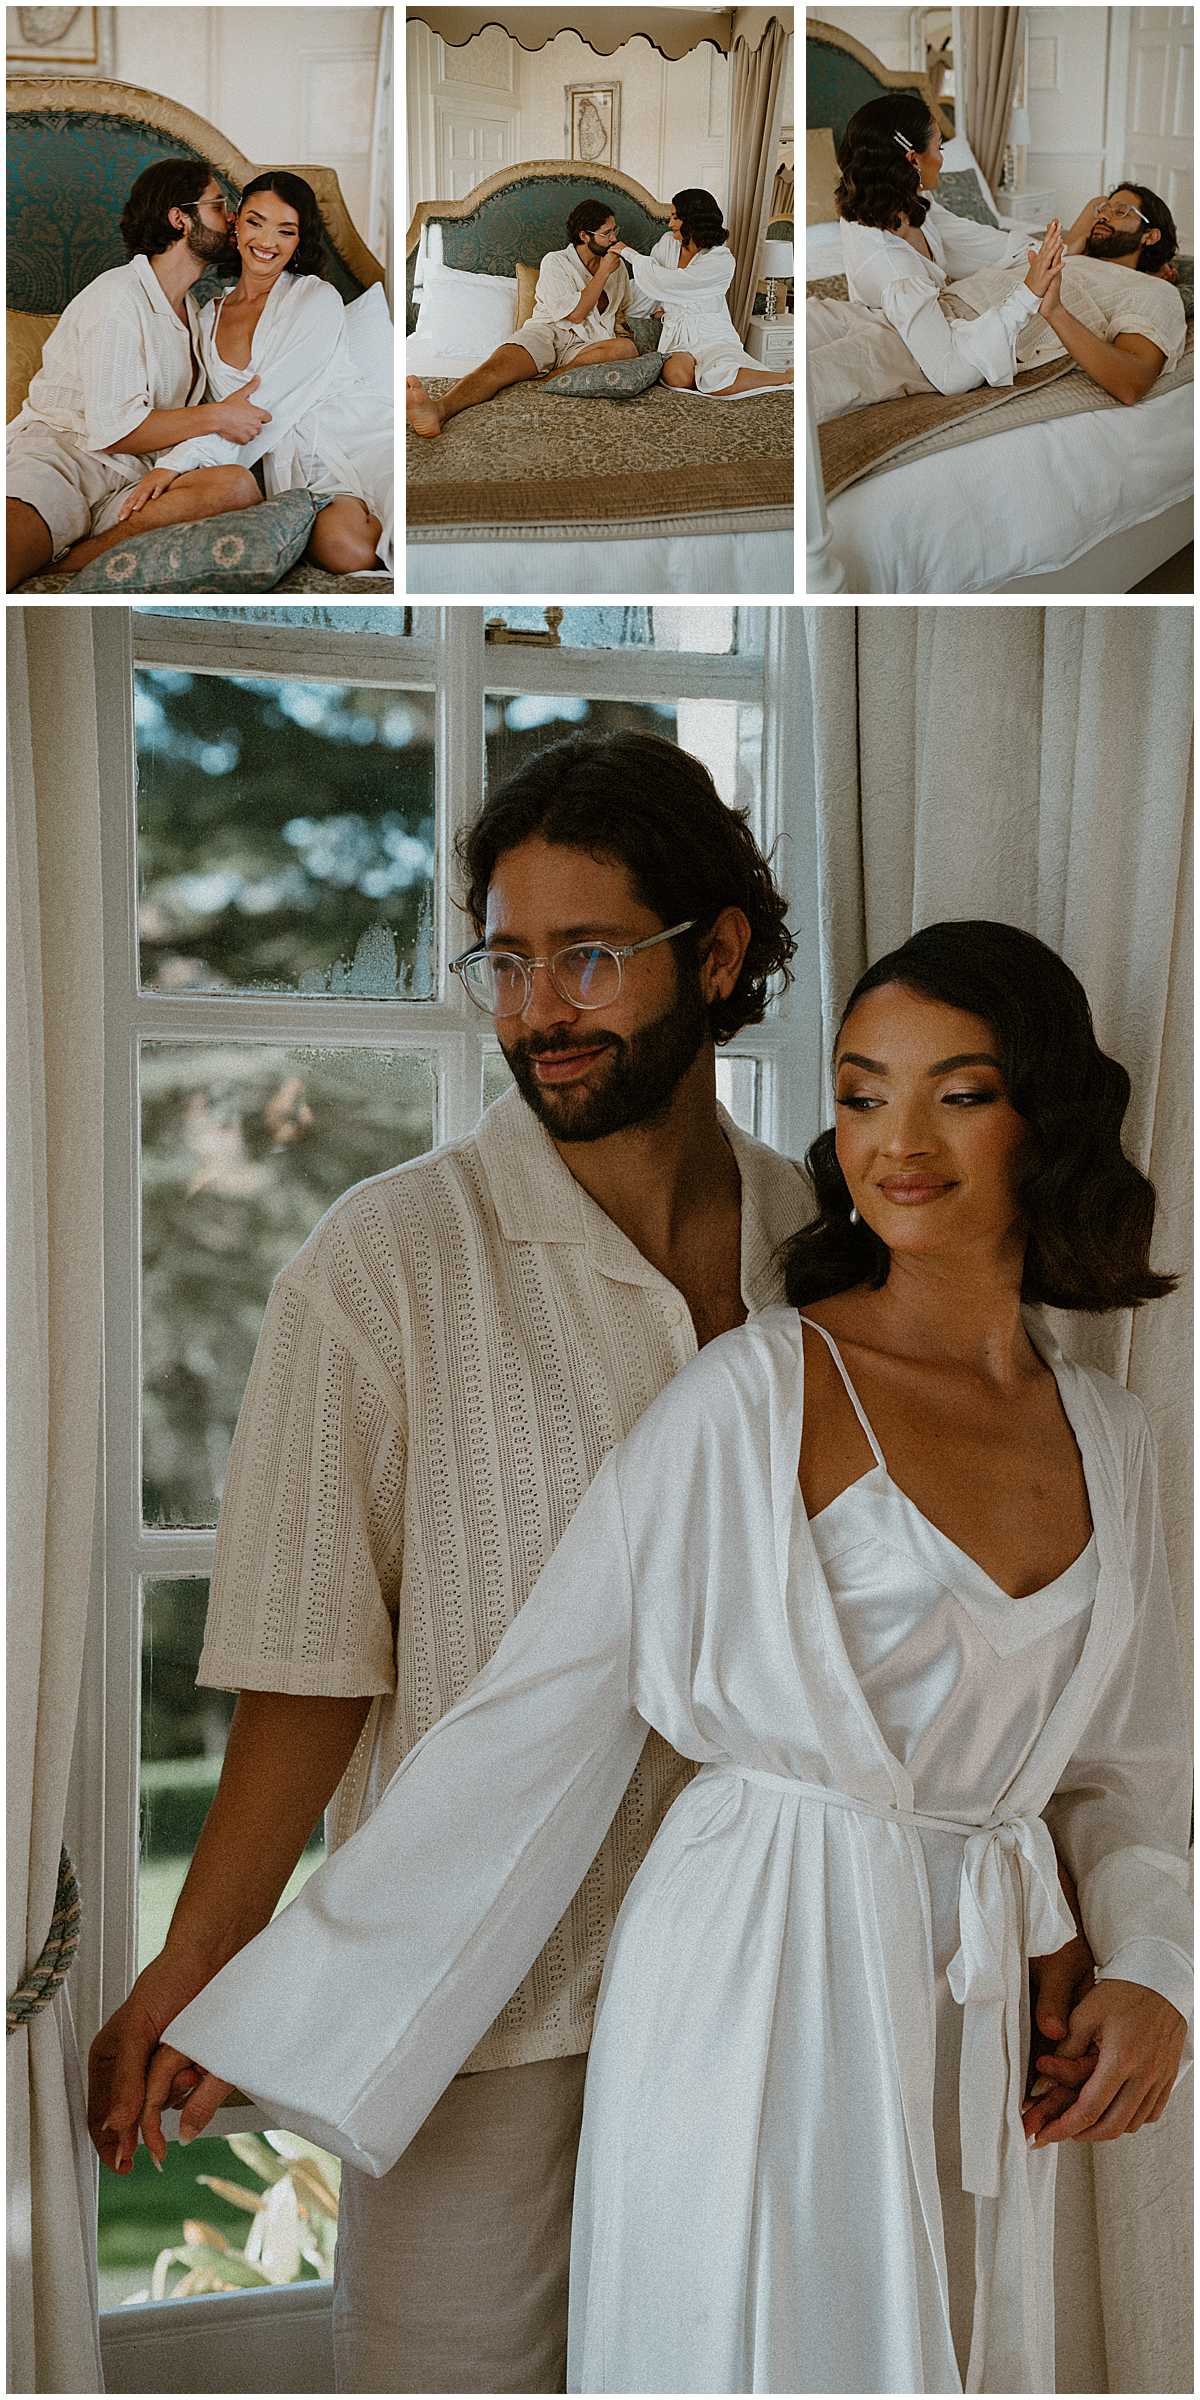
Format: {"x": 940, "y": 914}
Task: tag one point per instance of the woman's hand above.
{"x": 175, "y": 2081}
{"x": 119, "y": 2059}
{"x": 148, "y": 487}
{"x": 1132, "y": 2039}
{"x": 1045, "y": 263}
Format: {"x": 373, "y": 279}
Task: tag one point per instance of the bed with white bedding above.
{"x": 1087, "y": 502}
{"x": 697, "y": 493}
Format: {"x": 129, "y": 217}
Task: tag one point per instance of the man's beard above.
{"x": 217, "y": 249}
{"x": 1110, "y": 246}
{"x": 636, "y": 1086}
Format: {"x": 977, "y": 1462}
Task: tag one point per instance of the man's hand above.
{"x": 239, "y": 419}
{"x": 1169, "y": 273}
{"x": 120, "y": 2055}
{"x": 609, "y": 261}
{"x": 1131, "y": 2040}
{"x": 148, "y": 487}
{"x": 1079, "y": 234}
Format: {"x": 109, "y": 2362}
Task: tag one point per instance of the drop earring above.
{"x": 854, "y": 1217}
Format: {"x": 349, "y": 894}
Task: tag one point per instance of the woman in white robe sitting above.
{"x": 329, "y": 430}
{"x": 901, "y": 248}
{"x": 686, "y": 276}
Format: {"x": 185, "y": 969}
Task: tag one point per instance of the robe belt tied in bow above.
{"x": 1010, "y": 1909}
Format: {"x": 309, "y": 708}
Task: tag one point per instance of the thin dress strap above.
{"x": 852, "y": 1395}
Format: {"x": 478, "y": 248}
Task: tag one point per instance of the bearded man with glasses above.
{"x": 441, "y": 1373}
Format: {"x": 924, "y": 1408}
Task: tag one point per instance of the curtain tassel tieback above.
{"x": 58, "y": 1952}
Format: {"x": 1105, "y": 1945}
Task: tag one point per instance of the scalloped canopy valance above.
{"x": 672, "y": 31}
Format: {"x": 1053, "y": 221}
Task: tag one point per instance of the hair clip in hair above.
{"x": 903, "y": 140}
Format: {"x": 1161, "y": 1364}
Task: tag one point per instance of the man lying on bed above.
{"x": 120, "y": 379}
{"x": 578, "y": 308}
{"x": 1119, "y": 319}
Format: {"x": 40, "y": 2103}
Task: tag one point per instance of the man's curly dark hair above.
{"x": 146, "y": 227}
{"x": 586, "y": 218}
{"x": 653, "y": 809}
{"x": 308, "y": 257}
{"x": 879, "y": 185}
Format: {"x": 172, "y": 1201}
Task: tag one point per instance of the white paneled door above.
{"x": 471, "y": 143}
{"x": 1158, "y": 109}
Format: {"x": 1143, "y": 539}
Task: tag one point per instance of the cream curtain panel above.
{"x": 1034, "y": 765}
{"x": 56, "y": 1067}
{"x": 991, "y": 42}
{"x": 758, "y": 98}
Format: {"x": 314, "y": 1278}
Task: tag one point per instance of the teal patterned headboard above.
{"x": 842, "y": 75}
{"x": 527, "y": 216}
{"x": 69, "y": 175}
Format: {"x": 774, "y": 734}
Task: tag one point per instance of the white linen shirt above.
{"x": 561, "y": 278}
{"x": 117, "y": 351}
{"x": 441, "y": 1371}
{"x": 886, "y": 275}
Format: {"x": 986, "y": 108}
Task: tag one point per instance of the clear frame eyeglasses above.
{"x": 584, "y": 974}
{"x": 1125, "y": 214}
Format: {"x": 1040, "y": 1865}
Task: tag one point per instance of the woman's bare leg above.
{"x": 753, "y": 379}
{"x": 202, "y": 492}
{"x": 511, "y": 363}
{"x": 345, "y": 538}
{"x": 679, "y": 371}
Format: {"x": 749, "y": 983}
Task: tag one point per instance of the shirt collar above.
{"x": 158, "y": 298}
{"x": 538, "y": 1200}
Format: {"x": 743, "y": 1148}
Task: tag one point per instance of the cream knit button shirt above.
{"x": 440, "y": 1372}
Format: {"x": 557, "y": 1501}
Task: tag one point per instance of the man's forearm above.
{"x": 285, "y": 1756}
{"x": 587, "y": 299}
{"x": 1116, "y": 371}
{"x": 164, "y": 426}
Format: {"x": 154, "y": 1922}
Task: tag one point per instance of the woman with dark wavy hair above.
{"x": 901, "y": 248}
{"x": 684, "y": 281}
{"x": 329, "y": 425}
{"x": 887, "y": 1569}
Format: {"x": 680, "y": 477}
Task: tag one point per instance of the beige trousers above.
{"x": 452, "y": 2269}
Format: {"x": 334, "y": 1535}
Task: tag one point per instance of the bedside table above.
{"x": 772, "y": 340}
{"x": 1027, "y": 208}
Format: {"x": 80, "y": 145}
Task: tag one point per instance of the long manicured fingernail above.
{"x": 157, "y": 2161}
{"x": 186, "y": 2134}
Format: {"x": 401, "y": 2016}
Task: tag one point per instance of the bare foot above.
{"x": 422, "y": 412}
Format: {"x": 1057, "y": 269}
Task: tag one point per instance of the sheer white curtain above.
{"x": 1034, "y": 765}
{"x": 54, "y": 1279}
{"x": 381, "y": 234}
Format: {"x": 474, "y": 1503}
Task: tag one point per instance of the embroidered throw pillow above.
{"x": 248, "y": 550}
{"x": 608, "y": 379}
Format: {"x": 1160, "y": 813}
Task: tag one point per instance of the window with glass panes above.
{"x": 283, "y": 787}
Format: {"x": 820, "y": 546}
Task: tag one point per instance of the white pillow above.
{"x": 957, "y": 154}
{"x": 469, "y": 315}
{"x": 823, "y": 251}
{"x": 371, "y": 338}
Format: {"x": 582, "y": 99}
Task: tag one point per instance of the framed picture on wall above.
{"x": 59, "y": 41}
{"x": 593, "y": 123}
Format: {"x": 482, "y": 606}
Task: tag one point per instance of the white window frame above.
{"x": 459, "y": 669}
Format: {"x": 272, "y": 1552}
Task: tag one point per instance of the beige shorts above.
{"x": 452, "y": 2269}
{"x": 550, "y": 344}
{"x": 75, "y": 491}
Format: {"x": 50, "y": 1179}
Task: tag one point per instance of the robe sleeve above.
{"x": 349, "y": 2014}
{"x": 557, "y": 292}
{"x": 967, "y": 245}
{"x": 1120, "y": 1815}
{"x": 295, "y": 361}
{"x": 710, "y": 271}
{"x": 114, "y": 371}
{"x": 957, "y": 355}
{"x": 640, "y": 303}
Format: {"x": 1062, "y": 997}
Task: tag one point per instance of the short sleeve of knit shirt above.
{"x": 309, "y": 1542}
